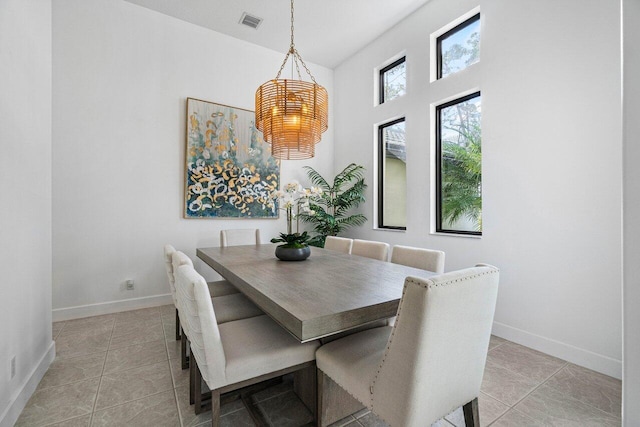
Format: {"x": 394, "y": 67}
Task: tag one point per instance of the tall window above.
{"x": 393, "y": 80}
{"x": 392, "y": 176}
{"x": 459, "y": 166}
{"x": 459, "y": 47}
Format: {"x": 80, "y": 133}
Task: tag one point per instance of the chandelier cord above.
{"x": 296, "y": 56}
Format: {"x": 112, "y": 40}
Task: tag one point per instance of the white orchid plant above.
{"x": 294, "y": 200}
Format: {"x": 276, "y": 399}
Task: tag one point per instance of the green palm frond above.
{"x": 353, "y": 220}
{"x": 351, "y": 173}
{"x": 351, "y": 198}
{"x": 330, "y": 209}
{"x": 317, "y": 179}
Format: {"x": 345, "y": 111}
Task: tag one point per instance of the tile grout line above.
{"x": 133, "y": 400}
{"x": 496, "y": 346}
{"x": 61, "y": 329}
{"x": 173, "y": 382}
{"x": 138, "y": 366}
{"x": 106, "y": 356}
{"x": 569, "y": 397}
{"x": 582, "y": 401}
{"x": 526, "y": 395}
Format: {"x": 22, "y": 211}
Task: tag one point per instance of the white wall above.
{"x": 25, "y": 200}
{"x": 549, "y": 75}
{"x": 631, "y": 130}
{"x": 121, "y": 74}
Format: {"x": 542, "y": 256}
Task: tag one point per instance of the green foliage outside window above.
{"x": 461, "y": 171}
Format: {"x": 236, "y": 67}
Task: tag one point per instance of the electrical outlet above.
{"x": 13, "y": 366}
{"x": 130, "y": 285}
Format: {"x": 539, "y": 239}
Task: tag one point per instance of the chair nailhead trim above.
{"x": 427, "y": 284}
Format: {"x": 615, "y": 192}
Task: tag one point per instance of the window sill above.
{"x": 394, "y": 230}
{"x": 468, "y": 236}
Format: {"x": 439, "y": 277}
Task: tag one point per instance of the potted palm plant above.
{"x": 329, "y": 209}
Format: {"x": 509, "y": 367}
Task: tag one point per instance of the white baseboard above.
{"x": 69, "y": 313}
{"x": 579, "y": 356}
{"x": 13, "y": 411}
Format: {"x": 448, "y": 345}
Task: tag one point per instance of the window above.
{"x": 393, "y": 80}
{"x": 459, "y": 47}
{"x": 459, "y": 166}
{"x": 392, "y": 176}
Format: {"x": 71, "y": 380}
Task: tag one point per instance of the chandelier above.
{"x": 292, "y": 114}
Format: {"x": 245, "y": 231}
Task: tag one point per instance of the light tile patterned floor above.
{"x": 124, "y": 370}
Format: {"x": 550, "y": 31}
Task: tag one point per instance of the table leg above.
{"x": 334, "y": 403}
{"x": 304, "y": 385}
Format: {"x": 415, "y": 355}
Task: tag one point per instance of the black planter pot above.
{"x": 293, "y": 254}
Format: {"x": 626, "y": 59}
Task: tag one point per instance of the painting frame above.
{"x": 229, "y": 172}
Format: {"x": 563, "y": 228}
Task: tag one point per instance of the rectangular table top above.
{"x": 329, "y": 292}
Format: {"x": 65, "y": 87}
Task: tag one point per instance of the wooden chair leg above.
{"x": 215, "y": 408}
{"x": 192, "y": 382}
{"x": 177, "y": 326}
{"x": 183, "y": 350}
{"x": 471, "y": 414}
{"x": 197, "y": 386}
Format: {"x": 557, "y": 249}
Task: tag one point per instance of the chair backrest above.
{"x": 437, "y": 350}
{"x": 239, "y": 237}
{"x": 338, "y": 244}
{"x": 179, "y": 259}
{"x": 370, "y": 249}
{"x": 168, "y": 266}
{"x": 425, "y": 259}
{"x": 196, "y": 312}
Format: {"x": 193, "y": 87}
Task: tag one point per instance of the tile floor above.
{"x": 124, "y": 370}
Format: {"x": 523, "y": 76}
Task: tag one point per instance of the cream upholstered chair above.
{"x": 229, "y": 307}
{"x": 425, "y": 259}
{"x": 431, "y": 362}
{"x": 217, "y": 288}
{"x": 339, "y": 244}
{"x": 370, "y": 249}
{"x": 236, "y": 354}
{"x": 239, "y": 237}
{"x": 233, "y": 237}
{"x": 168, "y": 266}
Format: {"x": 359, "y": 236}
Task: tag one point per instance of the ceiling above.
{"x": 326, "y": 31}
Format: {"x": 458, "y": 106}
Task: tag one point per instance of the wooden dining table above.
{"x": 326, "y": 294}
{"x": 323, "y": 297}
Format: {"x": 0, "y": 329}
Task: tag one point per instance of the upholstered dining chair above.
{"x": 233, "y": 355}
{"x": 233, "y": 237}
{"x": 239, "y": 237}
{"x": 370, "y": 249}
{"x": 425, "y": 259}
{"x": 168, "y": 266}
{"x": 217, "y": 288}
{"x": 229, "y": 307}
{"x": 338, "y": 244}
{"x": 430, "y": 362}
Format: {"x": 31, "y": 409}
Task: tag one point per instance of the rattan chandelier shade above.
{"x": 292, "y": 115}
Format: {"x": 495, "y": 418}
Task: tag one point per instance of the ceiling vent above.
{"x": 250, "y": 21}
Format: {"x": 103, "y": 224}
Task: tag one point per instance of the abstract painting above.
{"x": 229, "y": 169}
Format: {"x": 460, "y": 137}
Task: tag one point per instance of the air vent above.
{"x": 250, "y": 21}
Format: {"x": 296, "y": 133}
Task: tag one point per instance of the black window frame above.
{"x": 446, "y": 35}
{"x": 389, "y": 67}
{"x": 438, "y": 117}
{"x": 381, "y": 157}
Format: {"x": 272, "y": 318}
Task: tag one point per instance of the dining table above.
{"x": 328, "y": 295}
